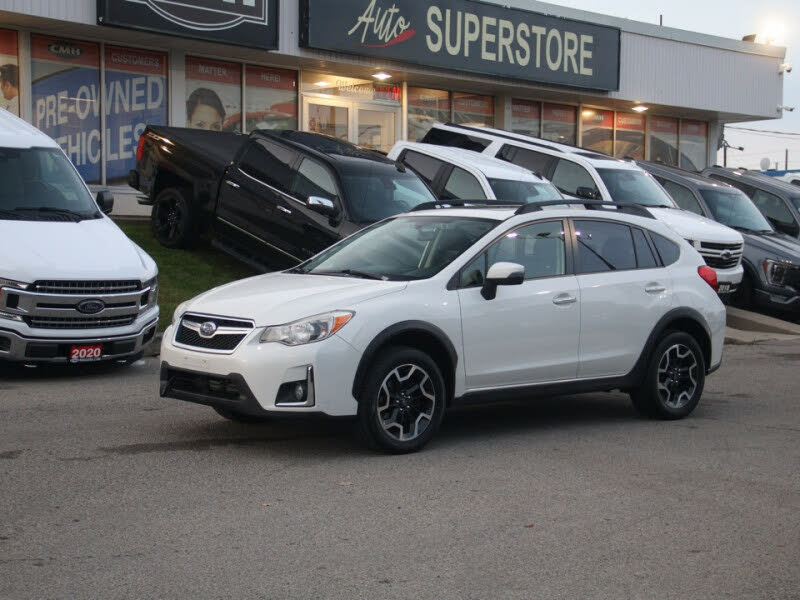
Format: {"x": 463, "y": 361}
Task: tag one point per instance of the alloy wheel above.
{"x": 406, "y": 402}
{"x": 677, "y": 376}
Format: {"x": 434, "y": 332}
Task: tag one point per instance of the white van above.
{"x": 582, "y": 173}
{"x": 73, "y": 287}
{"x": 461, "y": 174}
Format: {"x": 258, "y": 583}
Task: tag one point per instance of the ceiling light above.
{"x": 322, "y": 84}
{"x": 382, "y": 76}
{"x": 639, "y": 108}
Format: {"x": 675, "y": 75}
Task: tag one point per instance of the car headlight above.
{"x": 5, "y": 285}
{"x": 777, "y": 271}
{"x": 176, "y": 316}
{"x": 152, "y": 297}
{"x": 308, "y": 330}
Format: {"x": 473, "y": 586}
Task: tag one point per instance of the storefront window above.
{"x": 597, "y": 130}
{"x": 559, "y": 123}
{"x": 630, "y": 136}
{"x": 65, "y": 92}
{"x": 271, "y": 98}
{"x": 213, "y": 95}
{"x": 526, "y": 117}
{"x": 426, "y": 107}
{"x": 9, "y": 71}
{"x": 135, "y": 96}
{"x": 471, "y": 109}
{"x": 664, "y": 140}
{"x": 694, "y": 144}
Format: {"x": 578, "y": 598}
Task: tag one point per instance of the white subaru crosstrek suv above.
{"x": 431, "y": 308}
{"x": 582, "y": 173}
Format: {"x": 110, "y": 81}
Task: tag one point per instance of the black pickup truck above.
{"x": 270, "y": 197}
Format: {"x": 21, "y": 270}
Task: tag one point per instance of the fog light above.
{"x": 299, "y": 392}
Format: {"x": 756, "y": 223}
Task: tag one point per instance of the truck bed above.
{"x": 215, "y": 147}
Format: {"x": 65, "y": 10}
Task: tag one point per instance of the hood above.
{"x": 278, "y": 298}
{"x": 92, "y": 249}
{"x": 694, "y": 227}
{"x": 774, "y": 245}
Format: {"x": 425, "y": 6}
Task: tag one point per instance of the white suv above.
{"x": 73, "y": 287}
{"x": 427, "y": 309}
{"x": 582, "y": 173}
{"x": 454, "y": 174}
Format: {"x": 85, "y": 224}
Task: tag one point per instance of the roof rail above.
{"x": 631, "y": 209}
{"x": 485, "y": 203}
{"x": 528, "y": 139}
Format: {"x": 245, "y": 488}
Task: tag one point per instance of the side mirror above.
{"x": 587, "y": 193}
{"x": 502, "y": 273}
{"x": 105, "y": 201}
{"x": 323, "y": 206}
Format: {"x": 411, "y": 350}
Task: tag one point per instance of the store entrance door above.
{"x": 371, "y": 125}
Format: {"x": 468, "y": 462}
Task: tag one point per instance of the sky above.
{"x": 733, "y": 19}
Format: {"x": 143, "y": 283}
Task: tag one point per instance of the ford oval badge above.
{"x": 91, "y": 307}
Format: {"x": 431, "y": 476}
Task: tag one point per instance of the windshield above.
{"x": 634, "y": 187}
{"x": 401, "y": 249}
{"x": 41, "y": 184}
{"x": 524, "y": 191}
{"x": 734, "y": 209}
{"x": 382, "y": 191}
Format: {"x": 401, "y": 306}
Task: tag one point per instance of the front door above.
{"x": 529, "y": 333}
{"x": 367, "y": 124}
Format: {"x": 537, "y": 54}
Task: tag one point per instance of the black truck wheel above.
{"x": 173, "y": 218}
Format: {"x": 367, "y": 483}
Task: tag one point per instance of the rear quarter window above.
{"x": 669, "y": 251}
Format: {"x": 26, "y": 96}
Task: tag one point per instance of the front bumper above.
{"x": 252, "y": 378}
{"x": 777, "y": 298}
{"x": 33, "y": 347}
{"x": 730, "y": 279}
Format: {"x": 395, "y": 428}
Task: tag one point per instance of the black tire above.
{"x": 238, "y": 417}
{"x": 743, "y": 297}
{"x": 411, "y": 378}
{"x": 673, "y": 383}
{"x": 173, "y": 219}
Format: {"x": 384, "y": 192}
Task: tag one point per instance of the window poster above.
{"x": 9, "y": 71}
{"x": 213, "y": 95}
{"x": 65, "y": 92}
{"x": 271, "y": 98}
{"x": 135, "y": 97}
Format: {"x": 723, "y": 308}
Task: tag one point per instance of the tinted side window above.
{"x": 462, "y": 185}
{"x": 540, "y": 248}
{"x": 604, "y": 246}
{"x": 440, "y": 137}
{"x": 425, "y": 166}
{"x": 683, "y": 196}
{"x": 313, "y": 179}
{"x": 270, "y": 163}
{"x": 537, "y": 162}
{"x": 645, "y": 259}
{"x": 747, "y": 189}
{"x": 669, "y": 250}
{"x": 569, "y": 176}
{"x": 773, "y": 208}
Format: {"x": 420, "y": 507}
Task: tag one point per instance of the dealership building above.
{"x": 92, "y": 74}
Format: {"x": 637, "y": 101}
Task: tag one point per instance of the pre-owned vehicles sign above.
{"x": 468, "y": 36}
{"x": 242, "y": 22}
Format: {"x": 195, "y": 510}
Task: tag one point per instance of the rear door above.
{"x": 529, "y": 333}
{"x": 250, "y": 194}
{"x": 624, "y": 292}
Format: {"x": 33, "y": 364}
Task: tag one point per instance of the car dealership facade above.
{"x": 91, "y": 74}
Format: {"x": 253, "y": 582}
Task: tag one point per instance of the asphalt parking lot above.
{"x": 110, "y": 492}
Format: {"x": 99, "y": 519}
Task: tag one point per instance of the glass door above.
{"x": 368, "y": 124}
{"x": 328, "y": 117}
{"x": 377, "y": 128}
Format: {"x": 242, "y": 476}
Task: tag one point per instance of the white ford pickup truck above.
{"x": 73, "y": 287}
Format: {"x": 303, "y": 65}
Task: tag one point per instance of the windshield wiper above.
{"x": 51, "y": 209}
{"x": 352, "y": 273}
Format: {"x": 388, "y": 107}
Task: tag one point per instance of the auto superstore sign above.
{"x": 251, "y": 23}
{"x": 468, "y": 36}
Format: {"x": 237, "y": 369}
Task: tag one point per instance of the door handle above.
{"x": 654, "y": 288}
{"x": 233, "y": 184}
{"x": 564, "y": 299}
{"x": 284, "y": 210}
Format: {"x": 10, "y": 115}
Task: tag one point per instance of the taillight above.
{"x": 708, "y": 275}
{"x": 140, "y": 148}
